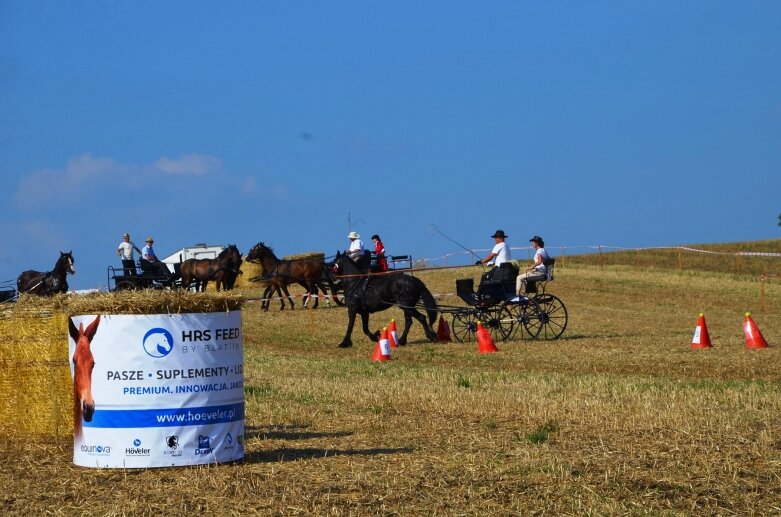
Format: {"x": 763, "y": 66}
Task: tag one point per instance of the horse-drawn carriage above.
{"x": 142, "y": 276}
{"x": 7, "y": 293}
{"x": 535, "y": 314}
{"x": 191, "y": 273}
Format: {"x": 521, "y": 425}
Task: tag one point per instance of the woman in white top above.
{"x": 537, "y": 271}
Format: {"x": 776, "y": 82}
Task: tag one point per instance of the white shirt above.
{"x": 502, "y": 251}
{"x": 543, "y": 257}
{"x": 356, "y": 249}
{"x": 125, "y": 250}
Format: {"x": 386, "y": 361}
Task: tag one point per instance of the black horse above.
{"x": 49, "y": 283}
{"x": 367, "y": 293}
{"x": 223, "y": 270}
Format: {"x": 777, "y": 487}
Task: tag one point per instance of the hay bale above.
{"x": 36, "y": 391}
{"x": 249, "y": 270}
{"x": 309, "y": 255}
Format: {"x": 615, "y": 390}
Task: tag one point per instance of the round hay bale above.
{"x": 36, "y": 390}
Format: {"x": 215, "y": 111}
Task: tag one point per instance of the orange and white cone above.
{"x": 485, "y": 344}
{"x": 393, "y": 337}
{"x": 701, "y": 338}
{"x": 754, "y": 337}
{"x": 443, "y": 331}
{"x": 382, "y": 350}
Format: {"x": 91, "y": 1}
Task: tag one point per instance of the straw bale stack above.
{"x": 36, "y": 391}
{"x": 249, "y": 270}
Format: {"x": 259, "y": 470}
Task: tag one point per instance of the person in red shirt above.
{"x": 379, "y": 250}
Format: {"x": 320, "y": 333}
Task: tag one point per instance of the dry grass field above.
{"x": 618, "y": 417}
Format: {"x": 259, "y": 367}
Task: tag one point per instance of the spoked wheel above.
{"x": 125, "y": 285}
{"x": 464, "y": 326}
{"x": 499, "y": 322}
{"x": 527, "y": 317}
{"x": 553, "y": 316}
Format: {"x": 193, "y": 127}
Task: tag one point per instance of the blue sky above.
{"x": 615, "y": 123}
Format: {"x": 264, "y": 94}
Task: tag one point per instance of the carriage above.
{"x": 536, "y": 314}
{"x": 7, "y": 293}
{"x": 142, "y": 277}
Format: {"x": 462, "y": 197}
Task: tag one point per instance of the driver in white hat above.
{"x": 355, "y": 251}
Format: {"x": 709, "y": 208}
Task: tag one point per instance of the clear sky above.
{"x": 292, "y": 122}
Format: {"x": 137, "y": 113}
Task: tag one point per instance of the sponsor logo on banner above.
{"x": 172, "y": 442}
{"x": 136, "y": 449}
{"x": 158, "y": 342}
{"x": 96, "y": 450}
{"x": 204, "y": 445}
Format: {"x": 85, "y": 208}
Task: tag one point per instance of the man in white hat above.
{"x": 125, "y": 252}
{"x": 355, "y": 251}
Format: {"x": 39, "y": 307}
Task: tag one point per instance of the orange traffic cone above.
{"x": 485, "y": 344}
{"x": 443, "y": 331}
{"x": 382, "y": 350}
{"x": 754, "y": 337}
{"x": 392, "y": 336}
{"x": 701, "y": 338}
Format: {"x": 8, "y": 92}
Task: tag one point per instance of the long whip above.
{"x": 433, "y": 228}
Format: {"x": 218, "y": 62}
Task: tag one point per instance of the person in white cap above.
{"x": 355, "y": 251}
{"x": 125, "y": 252}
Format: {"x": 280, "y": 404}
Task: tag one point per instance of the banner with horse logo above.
{"x": 157, "y": 390}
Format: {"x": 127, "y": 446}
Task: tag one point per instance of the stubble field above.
{"x": 620, "y": 416}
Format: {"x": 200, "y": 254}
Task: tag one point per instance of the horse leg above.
{"x": 289, "y": 298}
{"x": 414, "y": 313}
{"x": 347, "y": 341}
{"x": 374, "y": 336}
{"x": 315, "y": 293}
{"x": 265, "y": 300}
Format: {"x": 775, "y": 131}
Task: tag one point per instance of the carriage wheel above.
{"x": 553, "y": 316}
{"x": 527, "y": 316}
{"x": 464, "y": 326}
{"x": 499, "y": 323}
{"x": 125, "y": 285}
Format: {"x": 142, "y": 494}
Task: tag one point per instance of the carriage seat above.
{"x": 532, "y": 286}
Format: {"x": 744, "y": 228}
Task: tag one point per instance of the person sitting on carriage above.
{"x": 500, "y": 254}
{"x": 538, "y": 270}
{"x": 379, "y": 251}
{"x": 150, "y": 262}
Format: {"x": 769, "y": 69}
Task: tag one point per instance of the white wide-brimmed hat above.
{"x": 353, "y": 235}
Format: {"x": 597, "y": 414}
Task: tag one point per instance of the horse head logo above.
{"x": 83, "y": 364}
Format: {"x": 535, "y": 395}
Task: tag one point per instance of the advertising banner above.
{"x": 157, "y": 390}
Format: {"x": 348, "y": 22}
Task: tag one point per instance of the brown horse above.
{"x": 49, "y": 283}
{"x": 223, "y": 270}
{"x": 83, "y": 363}
{"x": 281, "y": 273}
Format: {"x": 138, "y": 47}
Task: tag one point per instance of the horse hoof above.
{"x": 345, "y": 344}
{"x": 402, "y": 342}
{"x": 376, "y": 336}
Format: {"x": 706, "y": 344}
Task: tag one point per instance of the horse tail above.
{"x": 428, "y": 302}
